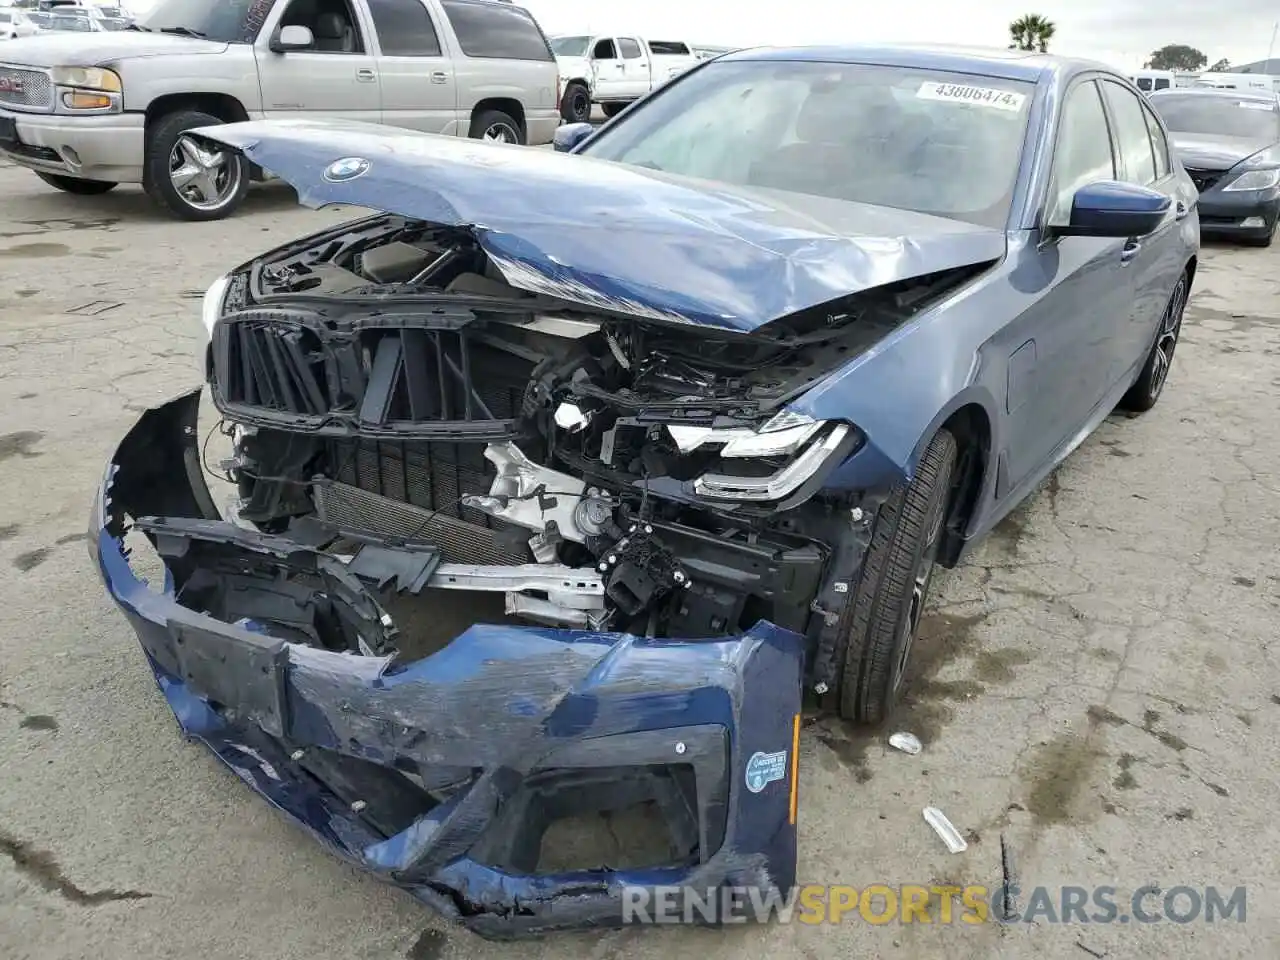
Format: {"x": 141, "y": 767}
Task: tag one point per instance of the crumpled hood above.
{"x": 58, "y": 49}
{"x": 613, "y": 236}
{"x": 1201, "y": 151}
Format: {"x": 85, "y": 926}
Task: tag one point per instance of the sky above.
{"x": 1121, "y": 33}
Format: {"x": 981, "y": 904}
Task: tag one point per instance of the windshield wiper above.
{"x": 184, "y": 32}
{"x": 139, "y": 28}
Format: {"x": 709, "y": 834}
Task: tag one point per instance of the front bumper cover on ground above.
{"x": 441, "y": 775}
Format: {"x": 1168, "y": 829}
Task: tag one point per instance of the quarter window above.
{"x": 1083, "y": 153}
{"x": 1131, "y": 134}
{"x": 404, "y": 28}
{"x": 497, "y": 31}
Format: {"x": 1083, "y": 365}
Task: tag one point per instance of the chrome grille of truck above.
{"x": 20, "y": 87}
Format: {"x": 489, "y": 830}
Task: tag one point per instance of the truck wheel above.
{"x": 76, "y": 185}
{"x": 495, "y": 126}
{"x": 880, "y": 623}
{"x": 575, "y": 103}
{"x": 193, "y": 180}
{"x": 611, "y": 110}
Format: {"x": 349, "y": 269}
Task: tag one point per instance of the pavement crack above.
{"x": 42, "y": 867}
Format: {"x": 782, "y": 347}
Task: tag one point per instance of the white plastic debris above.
{"x": 906, "y": 742}
{"x": 945, "y": 829}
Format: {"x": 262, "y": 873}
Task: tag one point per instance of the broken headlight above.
{"x": 775, "y": 459}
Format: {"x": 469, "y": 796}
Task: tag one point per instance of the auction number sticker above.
{"x": 978, "y": 96}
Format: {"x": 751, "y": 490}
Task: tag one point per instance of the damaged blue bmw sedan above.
{"x": 702, "y": 399}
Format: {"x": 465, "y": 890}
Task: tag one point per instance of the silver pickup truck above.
{"x": 89, "y": 111}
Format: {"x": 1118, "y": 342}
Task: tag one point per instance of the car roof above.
{"x": 1220, "y": 93}
{"x": 1026, "y": 65}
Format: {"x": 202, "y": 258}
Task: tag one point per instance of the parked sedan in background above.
{"x": 1229, "y": 142}
{"x": 16, "y": 23}
{"x": 704, "y": 402}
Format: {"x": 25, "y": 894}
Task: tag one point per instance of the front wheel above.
{"x": 881, "y": 622}
{"x": 575, "y": 104}
{"x": 193, "y": 179}
{"x": 77, "y": 185}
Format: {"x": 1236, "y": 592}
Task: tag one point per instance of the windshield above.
{"x": 570, "y": 46}
{"x": 900, "y": 137}
{"x": 1219, "y": 116}
{"x": 228, "y": 21}
{"x": 4, "y": 17}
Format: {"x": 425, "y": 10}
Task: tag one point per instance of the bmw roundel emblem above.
{"x": 348, "y": 168}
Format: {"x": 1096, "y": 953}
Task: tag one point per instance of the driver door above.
{"x": 610, "y": 70}
{"x": 337, "y": 77}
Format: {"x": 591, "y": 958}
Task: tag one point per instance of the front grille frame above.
{"x": 38, "y": 93}
{"x": 1204, "y": 180}
{"x": 408, "y": 376}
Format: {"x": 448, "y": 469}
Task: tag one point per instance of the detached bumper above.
{"x": 108, "y": 147}
{"x": 442, "y": 775}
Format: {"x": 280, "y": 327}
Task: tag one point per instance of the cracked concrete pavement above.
{"x": 1098, "y": 686}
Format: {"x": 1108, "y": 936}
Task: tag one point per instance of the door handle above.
{"x": 439, "y": 76}
{"x": 1130, "y": 250}
{"x": 365, "y": 75}
{"x": 620, "y": 66}
{"x": 1180, "y": 211}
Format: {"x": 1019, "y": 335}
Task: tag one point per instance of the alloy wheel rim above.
{"x": 919, "y": 596}
{"x": 205, "y": 179}
{"x": 1167, "y": 338}
{"x": 500, "y": 133}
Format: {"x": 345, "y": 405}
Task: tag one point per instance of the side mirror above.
{"x": 1108, "y": 208}
{"x": 293, "y": 37}
{"x": 569, "y": 136}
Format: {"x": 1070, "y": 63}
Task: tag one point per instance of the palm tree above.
{"x": 1031, "y": 32}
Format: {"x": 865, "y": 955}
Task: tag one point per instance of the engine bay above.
{"x": 385, "y": 380}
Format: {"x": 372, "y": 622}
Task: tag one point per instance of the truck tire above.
{"x": 575, "y": 103}
{"x": 192, "y": 181}
{"x": 880, "y": 623}
{"x": 611, "y": 110}
{"x": 77, "y": 185}
{"x": 496, "y": 126}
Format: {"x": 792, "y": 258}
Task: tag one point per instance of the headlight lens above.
{"x": 88, "y": 78}
{"x": 1255, "y": 180}
{"x": 782, "y": 435}
{"x": 783, "y": 481}
{"x": 211, "y": 305}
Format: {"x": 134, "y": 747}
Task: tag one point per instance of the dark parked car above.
{"x": 704, "y": 401}
{"x": 1229, "y": 142}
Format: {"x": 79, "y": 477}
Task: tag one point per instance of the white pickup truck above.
{"x": 614, "y": 71}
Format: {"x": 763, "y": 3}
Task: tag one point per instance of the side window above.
{"x": 604, "y": 51}
{"x": 1162, "y": 83}
{"x": 497, "y": 31}
{"x": 1159, "y": 145}
{"x": 1144, "y": 83}
{"x": 1083, "y": 153}
{"x": 1133, "y": 140}
{"x": 630, "y": 49}
{"x": 404, "y": 28}
{"x": 332, "y": 23}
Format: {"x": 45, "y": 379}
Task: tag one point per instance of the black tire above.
{"x": 575, "y": 103}
{"x": 488, "y": 121}
{"x": 1146, "y": 390}
{"x": 162, "y": 138}
{"x": 611, "y": 110}
{"x": 77, "y": 185}
{"x": 880, "y": 624}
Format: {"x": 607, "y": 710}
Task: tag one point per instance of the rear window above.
{"x": 669, "y": 47}
{"x": 1223, "y": 116}
{"x": 496, "y": 31}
